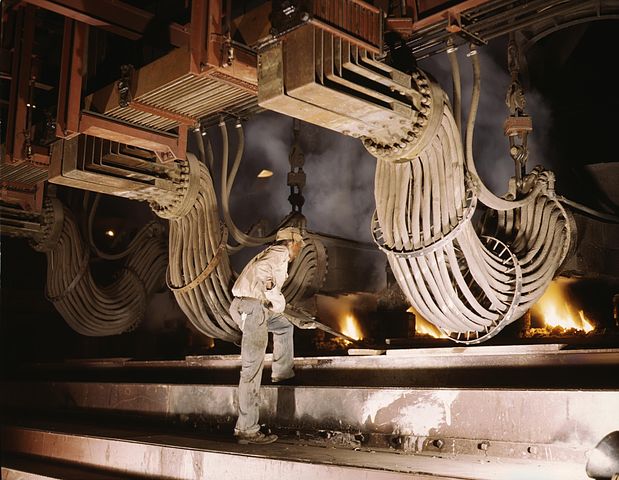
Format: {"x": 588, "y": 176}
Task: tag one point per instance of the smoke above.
{"x": 339, "y": 188}
{"x": 268, "y": 137}
{"x": 339, "y": 185}
{"x": 339, "y": 192}
{"x": 490, "y": 146}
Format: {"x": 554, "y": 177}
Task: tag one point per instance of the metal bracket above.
{"x": 210, "y": 267}
{"x": 454, "y": 25}
{"x": 124, "y": 86}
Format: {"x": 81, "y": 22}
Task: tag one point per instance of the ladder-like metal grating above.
{"x": 25, "y": 173}
{"x": 190, "y": 96}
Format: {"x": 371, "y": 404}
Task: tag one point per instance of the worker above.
{"x": 257, "y": 309}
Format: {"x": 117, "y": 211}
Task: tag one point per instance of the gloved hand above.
{"x": 304, "y": 321}
{"x": 276, "y": 300}
{"x": 307, "y": 325}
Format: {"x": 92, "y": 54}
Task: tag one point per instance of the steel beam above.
{"x": 32, "y": 468}
{"x": 416, "y": 19}
{"x": 517, "y": 419}
{"x": 162, "y": 112}
{"x": 152, "y": 455}
{"x": 453, "y": 367}
{"x": 70, "y": 83}
{"x": 197, "y": 42}
{"x": 169, "y": 146}
{"x": 21, "y": 70}
{"x": 113, "y": 16}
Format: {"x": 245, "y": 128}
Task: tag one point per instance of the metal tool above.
{"x": 301, "y": 318}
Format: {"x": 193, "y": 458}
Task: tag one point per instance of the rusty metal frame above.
{"x": 22, "y": 170}
{"x": 70, "y": 82}
{"x": 414, "y": 9}
{"x": 29, "y": 198}
{"x": 197, "y": 41}
{"x": 114, "y": 16}
{"x": 201, "y": 55}
{"x": 166, "y": 146}
{"x": 205, "y": 56}
{"x": 145, "y": 79}
{"x": 20, "y": 85}
{"x": 207, "y": 44}
{"x": 13, "y": 92}
{"x": 72, "y": 121}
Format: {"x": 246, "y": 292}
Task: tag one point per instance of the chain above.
{"x": 296, "y": 175}
{"x": 518, "y": 125}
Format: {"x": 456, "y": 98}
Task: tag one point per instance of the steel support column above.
{"x": 74, "y": 45}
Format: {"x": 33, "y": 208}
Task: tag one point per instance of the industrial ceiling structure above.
{"x": 147, "y": 102}
{"x": 75, "y": 120}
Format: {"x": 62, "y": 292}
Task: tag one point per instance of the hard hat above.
{"x": 289, "y": 233}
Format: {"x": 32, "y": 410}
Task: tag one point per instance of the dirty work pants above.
{"x": 255, "y": 327}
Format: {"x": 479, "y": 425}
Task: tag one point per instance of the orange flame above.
{"x": 423, "y": 327}
{"x": 350, "y": 327}
{"x": 555, "y": 310}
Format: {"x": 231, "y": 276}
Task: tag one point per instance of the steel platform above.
{"x": 524, "y": 412}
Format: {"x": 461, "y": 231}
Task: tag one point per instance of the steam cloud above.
{"x": 340, "y": 177}
{"x": 340, "y": 173}
{"x": 490, "y": 146}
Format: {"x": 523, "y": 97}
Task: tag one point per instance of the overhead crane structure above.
{"x": 103, "y": 96}
{"x": 323, "y": 62}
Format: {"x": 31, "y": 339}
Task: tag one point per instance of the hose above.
{"x": 606, "y": 217}
{"x": 226, "y": 188}
{"x": 199, "y": 271}
{"x": 457, "y": 88}
{"x": 135, "y": 243}
{"x": 485, "y": 195}
{"x": 88, "y": 308}
{"x": 468, "y": 284}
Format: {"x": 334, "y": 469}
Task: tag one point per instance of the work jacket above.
{"x": 267, "y": 269}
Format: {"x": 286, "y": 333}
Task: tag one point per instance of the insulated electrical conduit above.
{"x": 467, "y": 285}
{"x": 199, "y": 271}
{"x": 88, "y": 308}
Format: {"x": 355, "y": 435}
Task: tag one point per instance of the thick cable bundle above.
{"x": 197, "y": 244}
{"x": 307, "y": 272}
{"x": 540, "y": 234}
{"x": 88, "y": 308}
{"x": 469, "y": 286}
{"x": 200, "y": 274}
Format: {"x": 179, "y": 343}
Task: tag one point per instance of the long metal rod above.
{"x": 325, "y": 328}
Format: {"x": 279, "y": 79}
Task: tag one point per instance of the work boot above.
{"x": 257, "y": 438}
{"x": 290, "y": 380}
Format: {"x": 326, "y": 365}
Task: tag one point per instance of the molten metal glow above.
{"x": 423, "y": 327}
{"x": 110, "y": 233}
{"x": 555, "y": 310}
{"x": 350, "y": 328}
